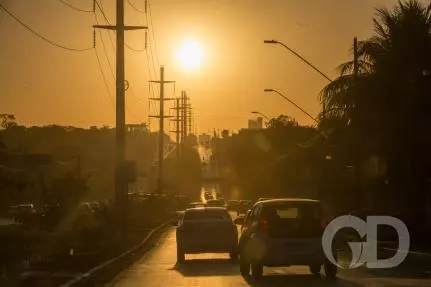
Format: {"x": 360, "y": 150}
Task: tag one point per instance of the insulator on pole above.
{"x": 94, "y": 6}
{"x": 94, "y": 38}
{"x": 146, "y": 39}
{"x": 146, "y": 5}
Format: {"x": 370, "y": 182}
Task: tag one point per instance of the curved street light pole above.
{"x": 305, "y": 61}
{"x": 299, "y": 56}
{"x": 263, "y": 115}
{"x": 293, "y": 103}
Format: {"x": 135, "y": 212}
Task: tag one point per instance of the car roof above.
{"x": 290, "y": 200}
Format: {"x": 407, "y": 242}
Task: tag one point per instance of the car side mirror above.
{"x": 239, "y": 220}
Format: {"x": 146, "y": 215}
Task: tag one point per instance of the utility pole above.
{"x": 162, "y": 118}
{"x": 357, "y": 128}
{"x": 184, "y": 110}
{"x": 120, "y": 137}
{"x": 178, "y": 123}
{"x": 189, "y": 118}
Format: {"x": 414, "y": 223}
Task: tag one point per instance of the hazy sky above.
{"x": 42, "y": 84}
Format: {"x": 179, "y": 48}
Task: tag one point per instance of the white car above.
{"x": 206, "y": 230}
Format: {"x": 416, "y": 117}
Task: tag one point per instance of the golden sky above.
{"x": 42, "y": 84}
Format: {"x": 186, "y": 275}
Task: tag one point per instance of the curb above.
{"x": 90, "y": 272}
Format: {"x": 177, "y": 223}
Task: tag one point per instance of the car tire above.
{"x": 330, "y": 271}
{"x": 180, "y": 255}
{"x": 256, "y": 270}
{"x": 315, "y": 269}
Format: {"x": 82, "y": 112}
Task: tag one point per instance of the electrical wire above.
{"x": 134, "y": 49}
{"x": 104, "y": 79}
{"x": 41, "y": 36}
{"x": 74, "y": 7}
{"x": 152, "y": 32}
{"x": 135, "y": 7}
{"x": 100, "y": 6}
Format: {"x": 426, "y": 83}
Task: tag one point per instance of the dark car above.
{"x": 206, "y": 229}
{"x": 232, "y": 205}
{"x": 243, "y": 207}
{"x": 283, "y": 232}
{"x": 216, "y": 203}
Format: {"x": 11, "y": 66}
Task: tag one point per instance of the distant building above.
{"x": 204, "y": 139}
{"x": 225, "y": 133}
{"x": 256, "y": 124}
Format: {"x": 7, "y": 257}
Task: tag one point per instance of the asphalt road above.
{"x": 158, "y": 268}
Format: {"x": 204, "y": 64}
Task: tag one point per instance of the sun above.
{"x": 190, "y": 54}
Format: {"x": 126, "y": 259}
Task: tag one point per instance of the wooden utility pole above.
{"x": 120, "y": 137}
{"x": 162, "y": 118}
{"x": 185, "y": 116}
{"x": 178, "y": 123}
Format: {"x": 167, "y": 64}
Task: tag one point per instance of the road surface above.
{"x": 158, "y": 268}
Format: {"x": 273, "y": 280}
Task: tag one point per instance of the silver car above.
{"x": 206, "y": 230}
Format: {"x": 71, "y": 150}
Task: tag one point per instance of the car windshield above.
{"x": 206, "y": 214}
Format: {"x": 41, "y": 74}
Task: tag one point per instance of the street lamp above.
{"x": 263, "y": 115}
{"x": 305, "y": 61}
{"x": 299, "y": 56}
{"x": 293, "y": 103}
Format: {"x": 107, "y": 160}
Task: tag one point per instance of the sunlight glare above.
{"x": 190, "y": 54}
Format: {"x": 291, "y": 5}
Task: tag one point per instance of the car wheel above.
{"x": 180, "y": 255}
{"x": 256, "y": 270}
{"x": 315, "y": 269}
{"x": 330, "y": 271}
{"x": 244, "y": 266}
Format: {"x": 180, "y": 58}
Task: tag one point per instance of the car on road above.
{"x": 243, "y": 207}
{"x": 196, "y": 204}
{"x": 216, "y": 202}
{"x": 232, "y": 205}
{"x": 22, "y": 212}
{"x": 283, "y": 232}
{"x": 206, "y": 230}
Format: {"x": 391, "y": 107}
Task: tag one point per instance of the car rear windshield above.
{"x": 207, "y": 214}
{"x": 296, "y": 219}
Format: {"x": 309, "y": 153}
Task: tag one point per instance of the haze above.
{"x": 42, "y": 84}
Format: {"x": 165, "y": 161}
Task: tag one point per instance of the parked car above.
{"x": 283, "y": 232}
{"x": 207, "y": 229}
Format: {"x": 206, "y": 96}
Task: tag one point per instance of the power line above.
{"x": 104, "y": 79}
{"x": 136, "y": 8}
{"x": 106, "y": 55}
{"x": 152, "y": 32}
{"x": 134, "y": 49}
{"x": 41, "y": 36}
{"x": 102, "y": 11}
{"x": 74, "y": 7}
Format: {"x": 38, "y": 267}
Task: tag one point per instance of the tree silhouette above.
{"x": 390, "y": 99}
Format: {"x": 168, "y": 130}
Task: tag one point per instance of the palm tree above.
{"x": 392, "y": 68}
{"x": 390, "y": 100}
